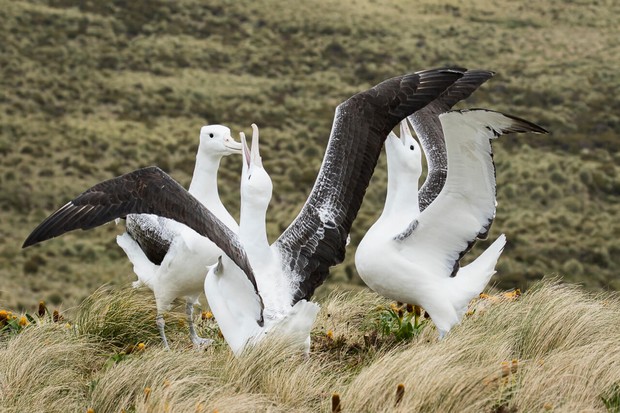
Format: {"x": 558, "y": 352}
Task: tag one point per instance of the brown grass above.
{"x": 555, "y": 348}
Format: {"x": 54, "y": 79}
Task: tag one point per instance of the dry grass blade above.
{"x": 525, "y": 354}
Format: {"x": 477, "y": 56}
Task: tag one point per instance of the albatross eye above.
{"x": 210, "y": 135}
{"x": 411, "y": 147}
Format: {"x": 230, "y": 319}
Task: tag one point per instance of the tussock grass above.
{"x": 119, "y": 316}
{"x": 46, "y": 368}
{"x": 555, "y": 348}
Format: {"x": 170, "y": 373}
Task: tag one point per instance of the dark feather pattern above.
{"x": 316, "y": 239}
{"x": 144, "y": 191}
{"x": 428, "y": 128}
{"x": 152, "y": 242}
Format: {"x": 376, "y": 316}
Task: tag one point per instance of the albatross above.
{"x": 170, "y": 258}
{"x": 412, "y": 256}
{"x": 230, "y": 295}
{"x": 317, "y": 238}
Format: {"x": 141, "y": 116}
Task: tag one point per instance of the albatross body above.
{"x": 169, "y": 257}
{"x": 316, "y": 239}
{"x": 413, "y": 256}
{"x": 231, "y": 297}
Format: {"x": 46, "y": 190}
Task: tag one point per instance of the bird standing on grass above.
{"x": 317, "y": 238}
{"x": 168, "y": 257}
{"x": 412, "y": 256}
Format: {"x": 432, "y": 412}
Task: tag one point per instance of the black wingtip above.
{"x": 522, "y": 125}
{"x": 518, "y": 125}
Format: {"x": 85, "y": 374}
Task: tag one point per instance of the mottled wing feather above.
{"x": 151, "y": 235}
{"x": 316, "y": 239}
{"x": 144, "y": 191}
{"x": 428, "y": 129}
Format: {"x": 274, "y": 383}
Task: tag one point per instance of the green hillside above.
{"x": 90, "y": 90}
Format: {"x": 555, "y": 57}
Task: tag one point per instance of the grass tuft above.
{"x": 553, "y": 348}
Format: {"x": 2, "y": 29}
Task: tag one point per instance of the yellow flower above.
{"x": 484, "y": 296}
{"x": 394, "y": 307}
{"x": 512, "y": 295}
{"x": 4, "y": 315}
{"x": 330, "y": 334}
{"x": 23, "y": 321}
{"x": 207, "y": 315}
{"x": 140, "y": 346}
{"x": 90, "y": 410}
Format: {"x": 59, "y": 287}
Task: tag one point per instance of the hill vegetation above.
{"x": 90, "y": 90}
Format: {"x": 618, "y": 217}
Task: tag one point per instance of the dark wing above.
{"x": 316, "y": 239}
{"x": 144, "y": 191}
{"x": 428, "y": 129}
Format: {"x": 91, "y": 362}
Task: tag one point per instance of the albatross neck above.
{"x": 204, "y": 187}
{"x": 401, "y": 200}
{"x": 253, "y": 231}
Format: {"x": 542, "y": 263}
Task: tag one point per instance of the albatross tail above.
{"x": 142, "y": 266}
{"x": 471, "y": 279}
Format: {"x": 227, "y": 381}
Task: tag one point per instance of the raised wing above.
{"x": 316, "y": 239}
{"x": 430, "y": 135}
{"x": 144, "y": 191}
{"x": 466, "y": 205}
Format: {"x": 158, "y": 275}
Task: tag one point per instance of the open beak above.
{"x": 255, "y": 154}
{"x": 245, "y": 150}
{"x": 251, "y": 157}
{"x": 405, "y": 131}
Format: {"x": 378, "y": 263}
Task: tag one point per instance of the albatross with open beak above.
{"x": 317, "y": 238}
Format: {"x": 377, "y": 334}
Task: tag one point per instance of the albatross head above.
{"x": 256, "y": 186}
{"x": 404, "y": 153}
{"x": 217, "y": 140}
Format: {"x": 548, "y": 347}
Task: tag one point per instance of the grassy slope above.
{"x": 552, "y": 349}
{"x": 90, "y": 92}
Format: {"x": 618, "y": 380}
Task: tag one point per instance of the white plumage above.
{"x": 231, "y": 296}
{"x": 413, "y": 257}
{"x": 182, "y": 271}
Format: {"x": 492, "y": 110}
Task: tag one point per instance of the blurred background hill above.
{"x": 90, "y": 90}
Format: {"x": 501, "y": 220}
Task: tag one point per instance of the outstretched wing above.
{"x": 316, "y": 239}
{"x": 144, "y": 191}
{"x": 466, "y": 205}
{"x": 430, "y": 135}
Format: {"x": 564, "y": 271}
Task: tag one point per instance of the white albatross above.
{"x": 316, "y": 239}
{"x": 170, "y": 258}
{"x": 412, "y": 256}
{"x": 231, "y": 297}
